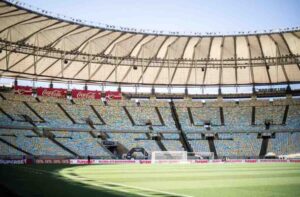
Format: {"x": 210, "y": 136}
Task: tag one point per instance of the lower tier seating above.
{"x": 241, "y": 145}
{"x": 173, "y": 145}
{"x": 38, "y": 146}
{"x": 82, "y": 143}
{"x": 285, "y": 143}
{"x": 7, "y": 150}
{"x": 133, "y": 140}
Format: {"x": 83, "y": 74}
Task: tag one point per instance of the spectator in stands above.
{"x": 89, "y": 159}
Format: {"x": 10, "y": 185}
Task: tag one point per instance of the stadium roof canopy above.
{"x": 37, "y": 45}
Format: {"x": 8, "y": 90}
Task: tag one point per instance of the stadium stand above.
{"x": 82, "y": 143}
{"x": 238, "y": 145}
{"x": 164, "y": 73}
{"x": 28, "y": 141}
{"x": 61, "y": 113}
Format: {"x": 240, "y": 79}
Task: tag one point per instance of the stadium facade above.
{"x": 57, "y": 123}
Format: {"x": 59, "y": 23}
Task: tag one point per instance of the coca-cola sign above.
{"x": 86, "y": 94}
{"x": 52, "y": 92}
{"x": 23, "y": 90}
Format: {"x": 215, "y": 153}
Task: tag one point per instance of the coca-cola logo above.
{"x": 89, "y": 95}
{"x": 53, "y": 93}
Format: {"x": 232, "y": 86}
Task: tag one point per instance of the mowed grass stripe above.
{"x": 198, "y": 179}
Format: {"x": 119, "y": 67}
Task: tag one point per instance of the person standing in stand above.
{"x": 89, "y": 159}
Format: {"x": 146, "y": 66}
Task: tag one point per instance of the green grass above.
{"x": 280, "y": 179}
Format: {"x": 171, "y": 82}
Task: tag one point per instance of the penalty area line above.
{"x": 141, "y": 189}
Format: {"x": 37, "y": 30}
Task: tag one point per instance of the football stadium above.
{"x": 90, "y": 109}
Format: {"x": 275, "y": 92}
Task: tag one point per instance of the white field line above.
{"x": 132, "y": 187}
{"x": 112, "y": 183}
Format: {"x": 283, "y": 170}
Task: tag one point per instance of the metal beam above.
{"x": 181, "y": 57}
{"x": 159, "y": 48}
{"x": 49, "y": 66}
{"x": 289, "y": 49}
{"x": 116, "y": 66}
{"x": 193, "y": 62}
{"x": 282, "y": 67}
{"x": 264, "y": 59}
{"x": 159, "y": 71}
{"x": 235, "y": 59}
{"x": 39, "y": 30}
{"x": 221, "y": 58}
{"x": 87, "y": 39}
{"x": 295, "y": 35}
{"x": 71, "y": 61}
{"x": 138, "y": 53}
{"x": 20, "y": 14}
{"x": 208, "y": 56}
{"x": 250, "y": 60}
{"x": 57, "y": 39}
{"x": 20, "y": 22}
{"x": 11, "y": 11}
{"x": 102, "y": 53}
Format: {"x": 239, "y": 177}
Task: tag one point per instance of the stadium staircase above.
{"x": 160, "y": 145}
{"x": 6, "y": 114}
{"x": 106, "y": 150}
{"x": 15, "y": 147}
{"x": 183, "y": 137}
{"x": 51, "y": 137}
{"x": 66, "y": 113}
{"x": 264, "y": 147}
{"x": 1, "y": 96}
{"x": 98, "y": 115}
{"x": 286, "y": 111}
{"x": 162, "y": 122}
{"x": 190, "y": 116}
{"x": 121, "y": 150}
{"x": 212, "y": 147}
{"x": 222, "y": 116}
{"x": 33, "y": 111}
{"x": 253, "y": 116}
{"x": 129, "y": 116}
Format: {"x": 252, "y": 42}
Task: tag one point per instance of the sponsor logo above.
{"x": 53, "y": 93}
{"x": 89, "y": 95}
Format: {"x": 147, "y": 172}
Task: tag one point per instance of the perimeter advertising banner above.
{"x": 110, "y": 95}
{"x": 86, "y": 94}
{"x": 23, "y": 90}
{"x": 52, "y": 92}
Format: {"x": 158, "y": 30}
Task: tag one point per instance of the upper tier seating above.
{"x": 16, "y": 109}
{"x": 80, "y": 113}
{"x": 237, "y": 116}
{"x": 52, "y": 114}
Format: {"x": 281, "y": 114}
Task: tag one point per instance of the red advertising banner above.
{"x": 86, "y": 94}
{"x": 52, "y": 161}
{"x": 109, "y": 95}
{"x": 23, "y": 90}
{"x": 52, "y": 92}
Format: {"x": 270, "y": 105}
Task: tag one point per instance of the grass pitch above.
{"x": 276, "y": 179}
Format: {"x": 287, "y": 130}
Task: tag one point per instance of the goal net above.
{"x": 169, "y": 157}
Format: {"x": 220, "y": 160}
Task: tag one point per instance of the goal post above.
{"x": 169, "y": 157}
